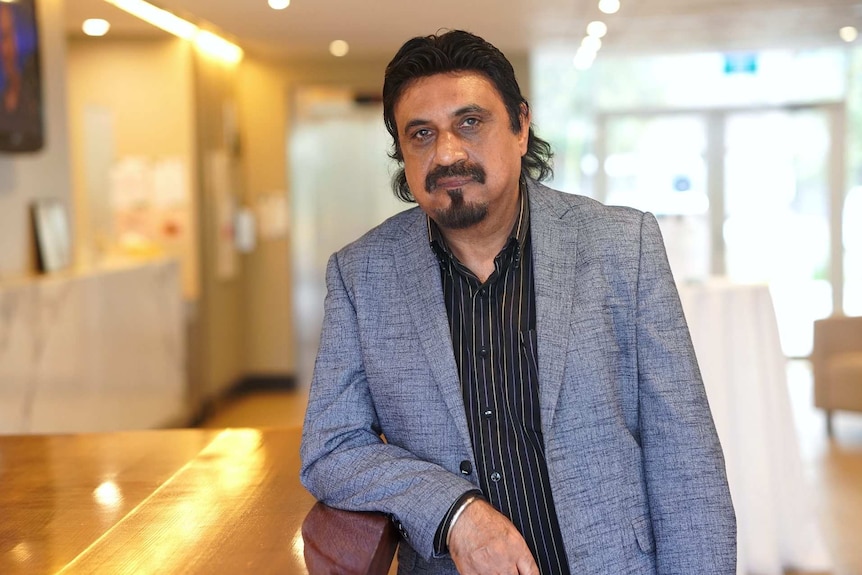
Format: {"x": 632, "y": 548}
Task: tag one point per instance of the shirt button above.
{"x": 495, "y": 477}
{"x": 488, "y": 413}
{"x": 483, "y": 351}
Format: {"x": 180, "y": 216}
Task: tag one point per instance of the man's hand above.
{"x": 484, "y": 542}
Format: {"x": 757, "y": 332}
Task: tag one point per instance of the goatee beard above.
{"x": 459, "y": 215}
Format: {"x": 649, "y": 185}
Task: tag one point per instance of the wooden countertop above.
{"x": 170, "y": 501}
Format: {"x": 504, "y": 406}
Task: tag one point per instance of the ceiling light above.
{"x": 218, "y": 46}
{"x": 206, "y": 41}
{"x": 157, "y": 17}
{"x": 597, "y": 28}
{"x": 848, "y": 33}
{"x": 609, "y": 6}
{"x": 279, "y": 4}
{"x": 338, "y": 48}
{"x": 591, "y": 44}
{"x": 96, "y": 27}
{"x": 584, "y": 59}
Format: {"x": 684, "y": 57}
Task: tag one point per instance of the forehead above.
{"x": 446, "y": 93}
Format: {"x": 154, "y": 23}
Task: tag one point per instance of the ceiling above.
{"x": 378, "y": 27}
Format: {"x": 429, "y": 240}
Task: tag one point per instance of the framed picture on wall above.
{"x": 51, "y": 230}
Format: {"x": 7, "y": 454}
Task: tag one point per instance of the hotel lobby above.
{"x": 167, "y": 216}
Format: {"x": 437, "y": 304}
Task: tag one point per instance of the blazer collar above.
{"x": 419, "y": 273}
{"x": 555, "y": 233}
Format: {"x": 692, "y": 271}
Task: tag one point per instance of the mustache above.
{"x": 458, "y": 169}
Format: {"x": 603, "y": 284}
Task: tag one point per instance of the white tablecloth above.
{"x": 735, "y": 337}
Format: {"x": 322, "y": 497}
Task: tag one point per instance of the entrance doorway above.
{"x": 754, "y": 195}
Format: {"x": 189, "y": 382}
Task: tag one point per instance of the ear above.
{"x": 524, "y": 135}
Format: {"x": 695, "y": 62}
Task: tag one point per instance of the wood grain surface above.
{"x": 169, "y": 501}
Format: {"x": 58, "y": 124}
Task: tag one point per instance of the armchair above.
{"x": 837, "y": 365}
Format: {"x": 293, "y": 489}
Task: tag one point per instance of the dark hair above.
{"x": 457, "y": 51}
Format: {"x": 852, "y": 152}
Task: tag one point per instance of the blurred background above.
{"x": 167, "y": 211}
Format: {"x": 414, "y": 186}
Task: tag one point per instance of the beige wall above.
{"x": 268, "y": 345}
{"x": 218, "y": 329}
{"x": 145, "y": 87}
{"x": 43, "y": 174}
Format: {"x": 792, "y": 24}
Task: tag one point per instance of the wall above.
{"x": 217, "y": 328}
{"x": 159, "y": 98}
{"x": 268, "y": 347}
{"x": 129, "y": 98}
{"x": 43, "y": 174}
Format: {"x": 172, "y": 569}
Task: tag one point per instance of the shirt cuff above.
{"x": 442, "y": 533}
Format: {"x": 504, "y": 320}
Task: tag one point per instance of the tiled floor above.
{"x": 833, "y": 467}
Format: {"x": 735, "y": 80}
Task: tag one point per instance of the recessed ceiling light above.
{"x": 591, "y": 43}
{"x": 609, "y": 6}
{"x": 96, "y": 27}
{"x": 597, "y": 28}
{"x": 848, "y": 33}
{"x": 338, "y": 48}
{"x": 584, "y": 59}
{"x": 279, "y": 4}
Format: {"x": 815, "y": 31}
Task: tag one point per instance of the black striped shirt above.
{"x": 493, "y": 328}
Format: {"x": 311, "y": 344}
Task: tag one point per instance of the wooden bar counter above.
{"x": 174, "y": 501}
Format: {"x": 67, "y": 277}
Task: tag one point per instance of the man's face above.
{"x": 461, "y": 158}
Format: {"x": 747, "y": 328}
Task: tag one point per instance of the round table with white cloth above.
{"x": 735, "y": 337}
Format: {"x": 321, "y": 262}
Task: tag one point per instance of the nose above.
{"x": 449, "y": 149}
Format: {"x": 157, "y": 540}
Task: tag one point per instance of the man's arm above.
{"x": 345, "y": 463}
{"x": 692, "y": 513}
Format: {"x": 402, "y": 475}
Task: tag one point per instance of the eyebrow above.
{"x": 469, "y": 109}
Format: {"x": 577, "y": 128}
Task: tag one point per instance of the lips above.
{"x": 452, "y": 183}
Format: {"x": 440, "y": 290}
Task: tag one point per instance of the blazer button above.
{"x": 466, "y": 467}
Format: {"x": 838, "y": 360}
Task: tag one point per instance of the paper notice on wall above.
{"x": 244, "y": 231}
{"x": 170, "y": 183}
{"x": 131, "y": 183}
{"x": 134, "y": 217}
{"x": 273, "y": 215}
{"x": 149, "y": 203}
{"x": 219, "y": 182}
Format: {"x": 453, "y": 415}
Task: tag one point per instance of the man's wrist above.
{"x": 457, "y": 516}
{"x": 441, "y": 538}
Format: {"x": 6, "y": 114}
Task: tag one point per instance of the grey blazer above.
{"x": 636, "y": 468}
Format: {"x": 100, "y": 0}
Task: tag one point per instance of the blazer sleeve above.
{"x": 345, "y": 463}
{"x": 692, "y": 514}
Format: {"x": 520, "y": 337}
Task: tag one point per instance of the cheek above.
{"x": 415, "y": 169}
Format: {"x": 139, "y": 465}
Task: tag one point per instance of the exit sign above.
{"x": 744, "y": 63}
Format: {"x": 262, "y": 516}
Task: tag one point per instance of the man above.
{"x": 506, "y": 370}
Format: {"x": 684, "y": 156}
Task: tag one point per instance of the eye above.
{"x": 422, "y": 134}
{"x": 470, "y": 122}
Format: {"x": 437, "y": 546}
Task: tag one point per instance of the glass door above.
{"x": 340, "y": 182}
{"x": 658, "y": 163}
{"x": 746, "y": 194}
{"x": 777, "y": 213}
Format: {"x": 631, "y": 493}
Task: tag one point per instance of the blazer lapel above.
{"x": 554, "y": 236}
{"x": 419, "y": 272}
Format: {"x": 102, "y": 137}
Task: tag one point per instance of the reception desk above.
{"x": 735, "y": 336}
{"x": 99, "y": 349}
{"x": 175, "y": 501}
